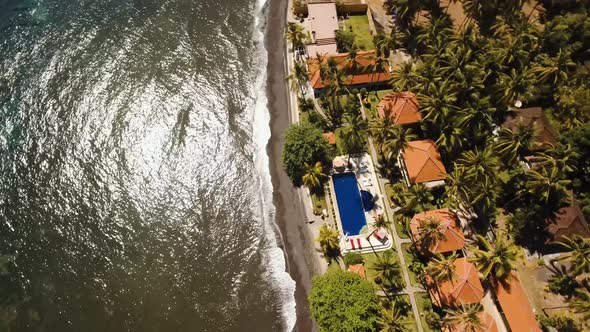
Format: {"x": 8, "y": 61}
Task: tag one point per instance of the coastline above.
{"x": 297, "y": 240}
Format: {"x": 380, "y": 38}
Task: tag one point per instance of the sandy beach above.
{"x": 290, "y": 213}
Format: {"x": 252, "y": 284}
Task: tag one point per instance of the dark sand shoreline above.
{"x": 290, "y": 217}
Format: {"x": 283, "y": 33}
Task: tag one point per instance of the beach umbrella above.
{"x": 339, "y": 164}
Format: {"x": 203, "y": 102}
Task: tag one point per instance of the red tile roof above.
{"x": 423, "y": 162}
{"x": 358, "y": 269}
{"x": 330, "y": 137}
{"x": 465, "y": 288}
{"x": 401, "y": 107}
{"x": 488, "y": 324}
{"x": 567, "y": 221}
{"x": 516, "y": 306}
{"x": 363, "y": 58}
{"x": 448, "y": 225}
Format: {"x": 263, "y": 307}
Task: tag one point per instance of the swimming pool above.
{"x": 349, "y": 203}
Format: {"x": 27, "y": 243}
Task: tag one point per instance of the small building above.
{"x": 535, "y": 118}
{"x": 401, "y": 107}
{"x": 330, "y": 137}
{"x": 421, "y": 162}
{"x": 568, "y": 221}
{"x": 354, "y": 6}
{"x": 465, "y": 288}
{"x": 354, "y": 78}
{"x": 448, "y": 225}
{"x": 321, "y": 25}
{"x": 515, "y": 305}
{"x": 358, "y": 269}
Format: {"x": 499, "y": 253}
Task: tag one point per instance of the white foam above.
{"x": 261, "y": 134}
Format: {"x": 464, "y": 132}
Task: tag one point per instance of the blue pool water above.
{"x": 349, "y": 203}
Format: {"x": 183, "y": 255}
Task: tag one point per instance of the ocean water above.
{"x": 134, "y": 184}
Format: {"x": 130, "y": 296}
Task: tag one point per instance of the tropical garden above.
{"x": 470, "y": 76}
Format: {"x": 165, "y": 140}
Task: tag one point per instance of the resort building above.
{"x": 357, "y": 204}
{"x": 448, "y": 222}
{"x": 401, "y": 107}
{"x": 421, "y": 162}
{"x": 515, "y": 305}
{"x": 321, "y": 26}
{"x": 533, "y": 117}
{"x": 465, "y": 288}
{"x": 568, "y": 221}
{"x": 356, "y": 75}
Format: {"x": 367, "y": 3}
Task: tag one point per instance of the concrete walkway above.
{"x": 398, "y": 241}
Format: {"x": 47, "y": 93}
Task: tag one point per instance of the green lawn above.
{"x": 406, "y": 248}
{"x": 374, "y": 98}
{"x": 360, "y": 27}
{"x": 369, "y": 259}
{"x": 424, "y": 304}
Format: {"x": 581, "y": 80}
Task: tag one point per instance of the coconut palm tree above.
{"x": 418, "y": 194}
{"x": 517, "y": 85}
{"x": 328, "y": 239}
{"x": 354, "y": 132}
{"x": 465, "y": 316}
{"x": 403, "y": 77}
{"x": 562, "y": 157}
{"x": 382, "y": 129}
{"x": 457, "y": 189}
{"x": 391, "y": 320}
{"x": 480, "y": 165}
{"x": 548, "y": 183}
{"x": 441, "y": 268}
{"x": 398, "y": 140}
{"x": 313, "y": 175}
{"x": 581, "y": 304}
{"x": 579, "y": 253}
{"x": 554, "y": 70}
{"x": 382, "y": 222}
{"x": 497, "y": 259}
{"x": 429, "y": 233}
{"x": 439, "y": 100}
{"x": 388, "y": 270}
{"x": 299, "y": 77}
{"x": 296, "y": 36}
{"x": 511, "y": 144}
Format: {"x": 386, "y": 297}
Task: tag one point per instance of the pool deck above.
{"x": 366, "y": 177}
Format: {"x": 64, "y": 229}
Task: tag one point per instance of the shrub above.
{"x": 560, "y": 323}
{"x": 352, "y": 258}
{"x": 344, "y": 41}
{"x": 563, "y": 285}
{"x": 304, "y": 143}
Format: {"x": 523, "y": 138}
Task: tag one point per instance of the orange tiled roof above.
{"x": 516, "y": 306}
{"x": 535, "y": 118}
{"x": 423, "y": 162}
{"x": 465, "y": 288}
{"x": 358, "y": 269}
{"x": 330, "y": 137}
{"x": 363, "y": 58}
{"x": 449, "y": 226}
{"x": 401, "y": 107}
{"x": 488, "y": 324}
{"x": 568, "y": 221}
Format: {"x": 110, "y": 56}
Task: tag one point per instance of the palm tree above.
{"x": 391, "y": 320}
{"x": 457, "y": 189}
{"x": 354, "y": 132}
{"x": 480, "y": 165}
{"x": 382, "y": 129}
{"x": 388, "y": 269}
{"x": 313, "y": 175}
{"x": 511, "y": 144}
{"x": 296, "y": 35}
{"x": 299, "y": 77}
{"x": 415, "y": 195}
{"x": 465, "y": 316}
{"x": 561, "y": 157}
{"x": 554, "y": 70}
{"x": 579, "y": 253}
{"x": 581, "y": 304}
{"x": 497, "y": 259}
{"x": 548, "y": 183}
{"x": 382, "y": 222}
{"x": 429, "y": 233}
{"x": 403, "y": 77}
{"x": 398, "y": 140}
{"x": 328, "y": 239}
{"x": 439, "y": 100}
{"x": 441, "y": 268}
{"x": 516, "y": 86}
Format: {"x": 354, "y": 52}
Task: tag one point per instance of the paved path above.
{"x": 409, "y": 289}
